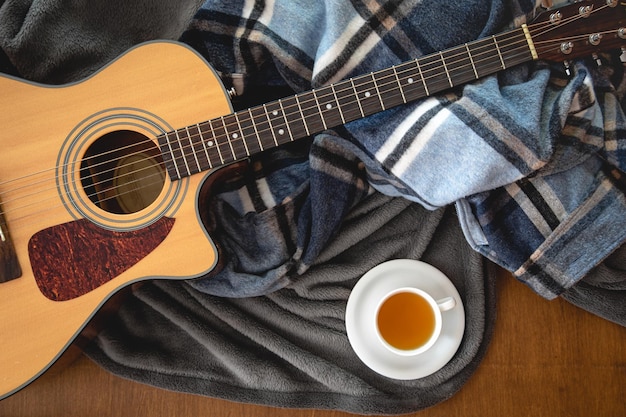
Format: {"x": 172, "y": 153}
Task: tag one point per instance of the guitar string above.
{"x": 316, "y": 103}
{"x": 229, "y": 115}
{"x": 238, "y": 145}
{"x": 305, "y": 105}
{"x": 158, "y": 182}
{"x": 238, "y": 129}
{"x": 448, "y": 62}
{"x": 120, "y": 150}
{"x": 426, "y": 70}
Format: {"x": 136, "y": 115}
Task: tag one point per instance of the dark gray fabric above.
{"x": 289, "y": 348}
{"x": 603, "y": 291}
{"x": 54, "y": 41}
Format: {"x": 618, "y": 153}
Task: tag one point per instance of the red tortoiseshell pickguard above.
{"x": 71, "y": 259}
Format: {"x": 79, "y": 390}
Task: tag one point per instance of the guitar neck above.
{"x": 237, "y": 136}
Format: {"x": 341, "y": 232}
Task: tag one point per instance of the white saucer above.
{"x": 360, "y": 319}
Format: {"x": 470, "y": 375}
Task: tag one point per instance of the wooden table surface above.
{"x": 546, "y": 358}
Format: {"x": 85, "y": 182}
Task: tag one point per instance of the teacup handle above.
{"x": 446, "y": 304}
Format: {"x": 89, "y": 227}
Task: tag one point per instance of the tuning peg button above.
{"x": 568, "y": 71}
{"x": 597, "y": 59}
{"x": 567, "y": 47}
{"x": 595, "y": 39}
{"x": 585, "y": 11}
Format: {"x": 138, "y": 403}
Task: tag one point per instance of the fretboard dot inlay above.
{"x": 230, "y": 138}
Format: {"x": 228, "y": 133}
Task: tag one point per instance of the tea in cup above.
{"x": 409, "y": 320}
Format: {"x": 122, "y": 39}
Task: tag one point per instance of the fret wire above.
{"x": 460, "y": 74}
{"x": 204, "y": 146}
{"x": 197, "y": 146}
{"x": 367, "y": 93}
{"x": 443, "y": 61}
{"x": 248, "y": 132}
{"x": 469, "y": 54}
{"x": 256, "y": 132}
{"x": 343, "y": 120}
{"x": 346, "y": 101}
{"x": 217, "y": 144}
{"x": 382, "y": 105}
{"x": 475, "y": 52}
{"x": 182, "y": 152}
{"x": 401, "y": 91}
{"x": 330, "y": 109}
{"x": 395, "y": 72}
{"x": 269, "y": 120}
{"x": 193, "y": 151}
{"x": 243, "y": 136}
{"x": 507, "y": 42}
{"x": 293, "y": 118}
{"x": 356, "y": 95}
{"x": 319, "y": 109}
{"x": 419, "y": 69}
{"x": 171, "y": 151}
{"x": 230, "y": 144}
{"x": 282, "y": 110}
{"x": 278, "y": 118}
{"x": 421, "y": 76}
{"x": 306, "y": 127}
{"x": 515, "y": 48}
{"x": 495, "y": 42}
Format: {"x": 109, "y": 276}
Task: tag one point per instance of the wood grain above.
{"x": 9, "y": 264}
{"x": 547, "y": 358}
{"x": 149, "y": 89}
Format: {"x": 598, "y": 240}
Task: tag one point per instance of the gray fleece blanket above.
{"x": 270, "y": 329}
{"x": 289, "y": 348}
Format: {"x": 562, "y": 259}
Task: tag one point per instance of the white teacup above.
{"x": 409, "y": 320}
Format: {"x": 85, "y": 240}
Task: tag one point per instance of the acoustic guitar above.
{"x": 100, "y": 180}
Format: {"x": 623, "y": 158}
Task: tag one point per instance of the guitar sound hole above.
{"x": 122, "y": 172}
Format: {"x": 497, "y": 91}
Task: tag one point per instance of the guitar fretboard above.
{"x": 237, "y": 136}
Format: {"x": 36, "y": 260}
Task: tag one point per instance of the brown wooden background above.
{"x": 547, "y": 358}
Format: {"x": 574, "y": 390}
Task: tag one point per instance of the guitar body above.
{"x": 77, "y": 225}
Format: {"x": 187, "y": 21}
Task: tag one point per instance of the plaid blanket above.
{"x": 532, "y": 159}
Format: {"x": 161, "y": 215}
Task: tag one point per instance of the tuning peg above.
{"x": 566, "y": 64}
{"x": 622, "y": 57}
{"x": 597, "y": 59}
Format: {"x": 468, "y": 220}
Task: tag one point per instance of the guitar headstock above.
{"x": 580, "y": 29}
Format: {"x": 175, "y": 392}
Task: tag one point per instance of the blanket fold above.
{"x": 290, "y": 348}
